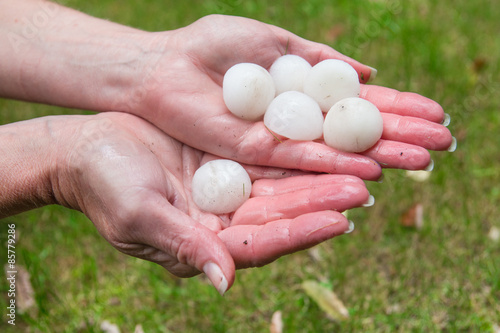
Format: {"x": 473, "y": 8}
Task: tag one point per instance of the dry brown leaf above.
{"x": 25, "y": 296}
{"x": 276, "y": 323}
{"x": 114, "y": 301}
{"x": 327, "y": 300}
{"x": 108, "y": 327}
{"x": 138, "y": 329}
{"x": 314, "y": 253}
{"x": 418, "y": 175}
{"x": 393, "y": 309}
{"x": 494, "y": 234}
{"x": 413, "y": 217}
{"x": 479, "y": 64}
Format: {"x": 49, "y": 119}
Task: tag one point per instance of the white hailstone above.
{"x": 295, "y": 115}
{"x": 289, "y": 73}
{"x": 331, "y": 80}
{"x": 221, "y": 186}
{"x": 247, "y": 90}
{"x": 353, "y": 125}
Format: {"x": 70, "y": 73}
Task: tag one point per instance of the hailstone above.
{"x": 353, "y": 125}
{"x": 220, "y": 186}
{"x": 289, "y": 73}
{"x": 295, "y": 115}
{"x": 331, "y": 80}
{"x": 247, "y": 90}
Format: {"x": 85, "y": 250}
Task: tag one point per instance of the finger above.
{"x": 258, "y": 245}
{"x": 416, "y": 131}
{"x": 261, "y": 172}
{"x": 317, "y": 157}
{"x": 403, "y": 103}
{"x": 316, "y": 52}
{"x": 258, "y": 146}
{"x": 319, "y": 197}
{"x": 393, "y": 154}
{"x": 271, "y": 187}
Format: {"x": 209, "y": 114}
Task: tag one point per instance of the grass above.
{"x": 442, "y": 277}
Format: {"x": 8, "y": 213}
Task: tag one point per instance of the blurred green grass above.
{"x": 443, "y": 277}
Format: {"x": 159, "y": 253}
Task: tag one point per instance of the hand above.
{"x": 190, "y": 78}
{"x": 133, "y": 182}
{"x": 173, "y": 79}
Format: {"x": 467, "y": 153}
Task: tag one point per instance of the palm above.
{"x": 138, "y": 196}
{"x": 185, "y": 100}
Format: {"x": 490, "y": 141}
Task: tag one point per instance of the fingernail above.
{"x": 430, "y": 167}
{"x": 351, "y": 228}
{"x": 370, "y": 202}
{"x": 373, "y": 74}
{"x": 447, "y": 120}
{"x": 215, "y": 275}
{"x": 380, "y": 180}
{"x": 453, "y": 145}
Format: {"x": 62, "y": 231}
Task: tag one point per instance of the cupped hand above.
{"x": 182, "y": 95}
{"x": 134, "y": 183}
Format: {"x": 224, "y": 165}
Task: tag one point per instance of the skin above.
{"x": 134, "y": 183}
{"x": 158, "y": 76}
{"x": 137, "y": 197}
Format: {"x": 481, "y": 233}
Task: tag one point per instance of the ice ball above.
{"x": 353, "y": 125}
{"x": 221, "y": 186}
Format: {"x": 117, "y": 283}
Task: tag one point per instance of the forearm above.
{"x": 26, "y": 166}
{"x": 55, "y": 55}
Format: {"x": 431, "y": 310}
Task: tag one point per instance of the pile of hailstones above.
{"x": 292, "y": 97}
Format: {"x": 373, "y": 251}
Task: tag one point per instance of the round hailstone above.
{"x": 289, "y": 73}
{"x": 295, "y": 115}
{"x": 353, "y": 125}
{"x": 331, "y": 80}
{"x": 247, "y": 90}
{"x": 220, "y": 186}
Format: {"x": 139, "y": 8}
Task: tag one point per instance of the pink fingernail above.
{"x": 215, "y": 275}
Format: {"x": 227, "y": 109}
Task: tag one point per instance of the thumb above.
{"x": 191, "y": 247}
{"x": 315, "y": 52}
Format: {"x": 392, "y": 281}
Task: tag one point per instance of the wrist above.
{"x": 26, "y": 165}
{"x": 43, "y": 161}
{"x": 72, "y": 60}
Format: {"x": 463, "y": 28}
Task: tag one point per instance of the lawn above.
{"x": 441, "y": 276}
